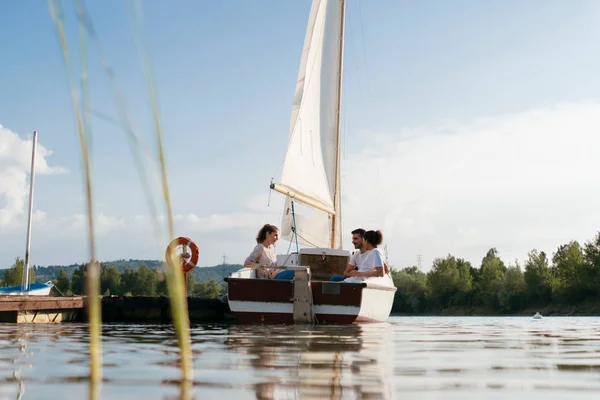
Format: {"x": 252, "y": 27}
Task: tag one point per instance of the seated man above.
{"x": 359, "y": 243}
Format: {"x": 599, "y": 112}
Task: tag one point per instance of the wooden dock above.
{"x": 49, "y": 309}
{"x": 40, "y": 309}
{"x": 144, "y": 309}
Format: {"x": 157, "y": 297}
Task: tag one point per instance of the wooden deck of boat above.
{"x": 40, "y": 309}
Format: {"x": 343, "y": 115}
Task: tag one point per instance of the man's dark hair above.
{"x": 359, "y": 231}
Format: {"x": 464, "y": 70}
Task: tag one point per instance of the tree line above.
{"x": 143, "y": 281}
{"x": 571, "y": 277}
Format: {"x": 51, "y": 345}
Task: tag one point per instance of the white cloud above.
{"x": 78, "y": 224}
{"x": 514, "y": 181}
{"x": 15, "y": 165}
{"x": 64, "y": 240}
{"x": 217, "y": 222}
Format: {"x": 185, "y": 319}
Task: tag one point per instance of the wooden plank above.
{"x": 32, "y": 303}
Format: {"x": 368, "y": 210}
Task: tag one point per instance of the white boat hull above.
{"x": 35, "y": 289}
{"x": 271, "y": 301}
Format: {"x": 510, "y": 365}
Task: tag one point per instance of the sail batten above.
{"x": 293, "y": 194}
{"x": 311, "y": 166}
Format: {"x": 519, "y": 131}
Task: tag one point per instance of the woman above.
{"x": 264, "y": 255}
{"x": 372, "y": 266}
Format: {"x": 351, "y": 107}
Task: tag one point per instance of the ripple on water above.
{"x": 427, "y": 357}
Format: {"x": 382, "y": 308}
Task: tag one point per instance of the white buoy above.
{"x": 537, "y": 316}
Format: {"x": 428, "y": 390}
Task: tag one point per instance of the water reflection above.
{"x": 408, "y": 357}
{"x": 317, "y": 362}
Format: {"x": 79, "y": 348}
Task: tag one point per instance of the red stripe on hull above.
{"x": 276, "y": 291}
{"x": 266, "y": 290}
{"x": 350, "y": 294}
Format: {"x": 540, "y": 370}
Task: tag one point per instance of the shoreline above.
{"x": 583, "y": 310}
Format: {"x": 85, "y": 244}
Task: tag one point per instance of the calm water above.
{"x": 409, "y": 357}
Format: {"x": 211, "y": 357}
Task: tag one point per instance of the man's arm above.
{"x": 349, "y": 269}
{"x": 351, "y": 265}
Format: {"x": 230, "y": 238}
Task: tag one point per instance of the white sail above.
{"x": 310, "y": 168}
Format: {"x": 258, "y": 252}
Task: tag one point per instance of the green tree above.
{"x": 569, "y": 268}
{"x": 78, "y": 280}
{"x": 13, "y": 276}
{"x": 145, "y": 284}
{"x": 411, "y": 290}
{"x": 591, "y": 252}
{"x": 538, "y": 278}
{"x": 62, "y": 283}
{"x": 110, "y": 281}
{"x": 208, "y": 290}
{"x": 128, "y": 282}
{"x": 490, "y": 278}
{"x": 161, "y": 284}
{"x": 450, "y": 281}
{"x": 190, "y": 283}
{"x": 512, "y": 290}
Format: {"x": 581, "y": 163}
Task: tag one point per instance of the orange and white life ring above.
{"x": 188, "y": 261}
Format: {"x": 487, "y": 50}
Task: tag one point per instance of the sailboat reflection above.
{"x": 19, "y": 338}
{"x": 308, "y": 362}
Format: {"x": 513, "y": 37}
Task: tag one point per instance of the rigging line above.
{"x": 306, "y": 240}
{"x": 205, "y": 290}
{"x": 288, "y": 251}
{"x": 296, "y": 233}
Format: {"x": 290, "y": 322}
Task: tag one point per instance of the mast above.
{"x": 27, "y": 246}
{"x": 337, "y": 217}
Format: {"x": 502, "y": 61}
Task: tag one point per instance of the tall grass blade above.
{"x": 93, "y": 281}
{"x": 175, "y": 279}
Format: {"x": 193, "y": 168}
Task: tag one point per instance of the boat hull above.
{"x": 268, "y": 301}
{"x": 35, "y": 289}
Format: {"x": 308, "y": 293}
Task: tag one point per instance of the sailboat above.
{"x": 310, "y": 181}
{"x": 29, "y": 289}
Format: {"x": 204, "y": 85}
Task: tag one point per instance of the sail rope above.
{"x": 306, "y": 240}
{"x": 295, "y": 232}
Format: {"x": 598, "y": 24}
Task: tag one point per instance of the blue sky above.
{"x": 448, "y": 108}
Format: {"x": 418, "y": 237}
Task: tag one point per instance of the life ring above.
{"x": 188, "y": 261}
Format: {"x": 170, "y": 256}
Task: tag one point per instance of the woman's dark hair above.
{"x": 374, "y": 237}
{"x": 262, "y": 234}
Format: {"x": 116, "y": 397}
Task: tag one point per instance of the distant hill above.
{"x": 217, "y": 272}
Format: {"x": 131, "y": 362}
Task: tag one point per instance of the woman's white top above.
{"x": 263, "y": 255}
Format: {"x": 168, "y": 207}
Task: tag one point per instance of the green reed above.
{"x": 175, "y": 280}
{"x": 93, "y": 270}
